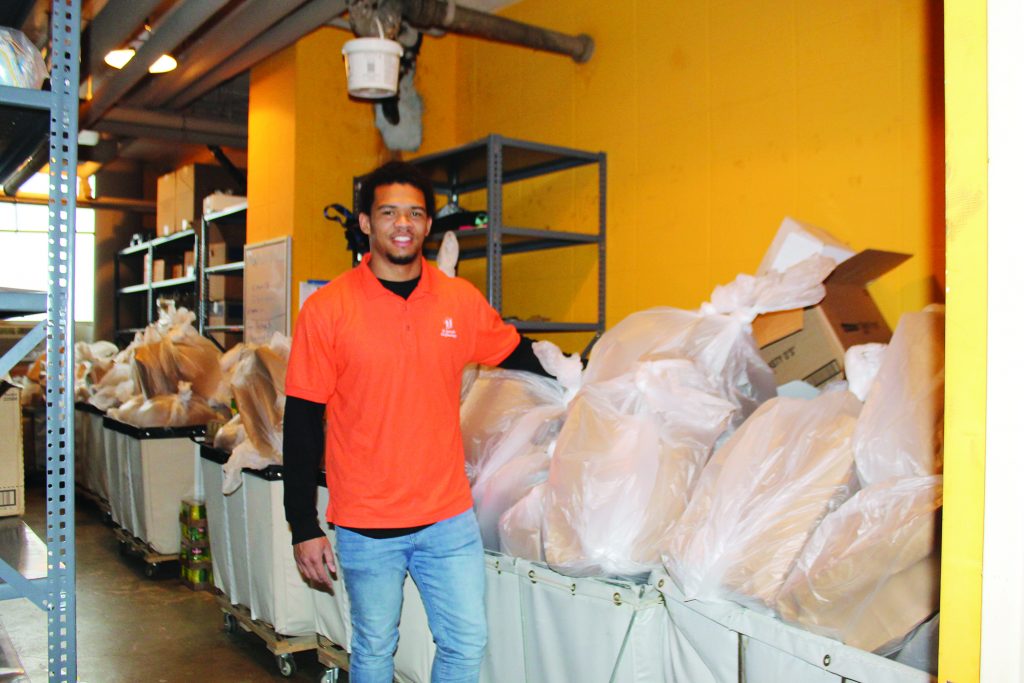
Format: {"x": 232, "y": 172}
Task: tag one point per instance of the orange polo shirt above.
{"x": 390, "y": 371}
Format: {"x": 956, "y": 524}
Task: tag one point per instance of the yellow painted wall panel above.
{"x": 966, "y": 48}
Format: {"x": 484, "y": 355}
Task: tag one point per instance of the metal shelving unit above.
{"x": 489, "y": 164}
{"x": 54, "y": 593}
{"x": 141, "y": 296}
{"x": 231, "y": 224}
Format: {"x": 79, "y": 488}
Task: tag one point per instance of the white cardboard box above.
{"x": 12, "y": 460}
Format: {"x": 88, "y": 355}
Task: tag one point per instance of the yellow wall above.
{"x": 720, "y": 117}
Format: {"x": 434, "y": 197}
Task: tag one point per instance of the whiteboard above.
{"x": 268, "y": 289}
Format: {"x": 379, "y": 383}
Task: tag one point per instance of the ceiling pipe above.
{"x": 175, "y": 121}
{"x": 190, "y": 137}
{"x": 40, "y": 157}
{"x": 175, "y": 26}
{"x": 114, "y": 203}
{"x": 451, "y": 17}
{"x": 116, "y": 24}
{"x": 245, "y": 23}
{"x": 309, "y": 18}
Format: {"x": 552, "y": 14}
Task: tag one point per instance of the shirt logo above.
{"x": 448, "y": 330}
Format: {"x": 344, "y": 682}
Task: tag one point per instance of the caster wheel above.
{"x": 151, "y": 570}
{"x": 230, "y": 623}
{"x": 330, "y": 675}
{"x": 286, "y": 664}
{"x": 122, "y": 548}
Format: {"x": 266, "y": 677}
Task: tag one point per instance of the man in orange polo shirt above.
{"x": 381, "y": 350}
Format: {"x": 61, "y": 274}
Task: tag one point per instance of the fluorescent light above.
{"x": 164, "y": 64}
{"x": 118, "y": 58}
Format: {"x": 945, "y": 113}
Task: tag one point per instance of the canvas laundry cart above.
{"x": 150, "y": 471}
{"x": 90, "y": 466}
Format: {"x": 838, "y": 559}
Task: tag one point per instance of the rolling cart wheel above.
{"x": 330, "y": 675}
{"x": 286, "y": 664}
{"x": 122, "y": 548}
{"x": 151, "y": 569}
{"x": 230, "y": 623}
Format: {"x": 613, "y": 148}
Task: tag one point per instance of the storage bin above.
{"x": 90, "y": 466}
{"x": 154, "y": 470}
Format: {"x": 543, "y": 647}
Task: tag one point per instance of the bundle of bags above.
{"x": 92, "y": 363}
{"x": 825, "y": 511}
{"x": 172, "y": 372}
{"x": 623, "y": 455}
{"x": 252, "y": 379}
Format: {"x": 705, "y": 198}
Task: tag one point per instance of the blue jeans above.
{"x": 446, "y": 562}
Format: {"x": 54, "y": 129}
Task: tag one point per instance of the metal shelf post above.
{"x": 56, "y": 593}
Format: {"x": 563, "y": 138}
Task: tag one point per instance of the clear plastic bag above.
{"x": 519, "y": 529}
{"x": 717, "y": 338}
{"x": 117, "y": 386}
{"x": 260, "y": 399}
{"x": 899, "y": 433}
{"x": 496, "y": 401}
{"x": 230, "y": 435}
{"x": 761, "y": 496}
{"x": 182, "y": 409}
{"x": 861, "y": 364}
{"x": 869, "y": 574}
{"x": 624, "y": 466}
{"x": 21, "y": 63}
{"x": 180, "y": 355}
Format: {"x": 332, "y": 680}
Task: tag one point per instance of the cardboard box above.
{"x": 189, "y": 263}
{"x": 178, "y": 270}
{"x": 12, "y": 458}
{"x": 193, "y": 183}
{"x": 159, "y": 269}
{"x": 219, "y": 253}
{"x": 219, "y": 201}
{"x": 224, "y": 287}
{"x": 165, "y": 204}
{"x": 809, "y": 344}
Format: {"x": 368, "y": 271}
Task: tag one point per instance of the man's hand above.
{"x": 314, "y": 558}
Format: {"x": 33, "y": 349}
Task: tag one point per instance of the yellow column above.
{"x": 966, "y": 338}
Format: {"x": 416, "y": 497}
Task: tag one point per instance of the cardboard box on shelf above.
{"x": 220, "y": 201}
{"x": 224, "y": 287}
{"x": 146, "y": 270}
{"x": 219, "y": 253}
{"x": 12, "y": 459}
{"x": 189, "y": 263}
{"x": 178, "y": 270}
{"x": 192, "y": 184}
{"x": 159, "y": 269}
{"x": 165, "y": 204}
{"x": 809, "y": 344}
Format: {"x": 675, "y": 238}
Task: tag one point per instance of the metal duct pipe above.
{"x": 115, "y": 203}
{"x": 310, "y": 17}
{"x": 177, "y": 25}
{"x": 192, "y": 137}
{"x": 173, "y": 121}
{"x": 39, "y": 158}
{"x": 117, "y": 23}
{"x": 244, "y": 24}
{"x": 451, "y": 17}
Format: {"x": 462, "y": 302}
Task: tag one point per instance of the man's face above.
{"x": 397, "y": 224}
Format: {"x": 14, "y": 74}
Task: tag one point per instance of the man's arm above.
{"x": 523, "y": 358}
{"x": 303, "y": 450}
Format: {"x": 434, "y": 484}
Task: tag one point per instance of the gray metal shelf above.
{"x": 231, "y": 221}
{"x": 55, "y": 594}
{"x": 175, "y": 246}
{"x": 491, "y": 163}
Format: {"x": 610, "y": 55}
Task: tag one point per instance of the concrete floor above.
{"x": 131, "y": 628}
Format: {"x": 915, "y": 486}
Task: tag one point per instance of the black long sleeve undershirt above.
{"x": 304, "y": 444}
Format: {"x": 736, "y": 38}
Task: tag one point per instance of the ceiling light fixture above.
{"x": 120, "y": 57}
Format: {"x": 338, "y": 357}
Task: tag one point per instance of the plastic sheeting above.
{"x": 870, "y": 572}
{"x": 761, "y": 496}
{"x": 625, "y": 465}
{"x": 182, "y": 355}
{"x": 900, "y": 431}
{"x": 519, "y": 529}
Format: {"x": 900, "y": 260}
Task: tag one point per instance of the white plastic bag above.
{"x": 230, "y": 435}
{"x": 21, "y": 63}
{"x": 861, "y": 364}
{"x": 625, "y": 464}
{"x": 899, "y": 433}
{"x": 496, "y": 401}
{"x": 761, "y": 496}
{"x": 182, "y": 409}
{"x": 520, "y": 527}
{"x": 257, "y": 384}
{"x": 244, "y": 456}
{"x": 870, "y": 572}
